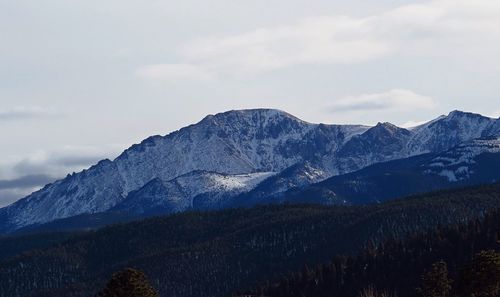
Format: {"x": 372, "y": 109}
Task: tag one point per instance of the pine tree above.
{"x": 128, "y": 283}
{"x": 436, "y": 283}
{"x": 482, "y": 277}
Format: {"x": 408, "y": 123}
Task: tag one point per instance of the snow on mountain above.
{"x": 457, "y": 163}
{"x": 271, "y": 190}
{"x": 77, "y": 193}
{"x": 449, "y": 131}
{"x": 471, "y": 163}
{"x": 381, "y": 143}
{"x": 235, "y": 142}
{"x": 231, "y": 145}
{"x": 493, "y": 129}
{"x": 197, "y": 189}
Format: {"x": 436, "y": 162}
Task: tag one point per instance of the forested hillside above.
{"x": 218, "y": 253}
{"x": 453, "y": 261}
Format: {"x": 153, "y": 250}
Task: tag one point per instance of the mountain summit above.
{"x": 204, "y": 164}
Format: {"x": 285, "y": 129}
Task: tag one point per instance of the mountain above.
{"x": 198, "y": 190}
{"x": 234, "y": 144}
{"x": 216, "y": 253}
{"x": 470, "y": 163}
{"x": 446, "y": 132}
{"x": 271, "y": 191}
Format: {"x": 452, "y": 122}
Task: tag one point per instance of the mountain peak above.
{"x": 456, "y": 112}
{"x": 256, "y": 113}
{"x": 387, "y": 127}
{"x": 461, "y": 114}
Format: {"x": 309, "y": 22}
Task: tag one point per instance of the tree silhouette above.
{"x": 435, "y": 283}
{"x": 482, "y": 277}
{"x": 128, "y": 283}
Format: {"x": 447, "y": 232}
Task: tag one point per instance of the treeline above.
{"x": 461, "y": 260}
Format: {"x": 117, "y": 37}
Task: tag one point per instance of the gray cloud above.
{"x": 362, "y": 106}
{"x": 9, "y": 196}
{"x": 27, "y": 181}
{"x": 53, "y": 163}
{"x": 30, "y": 174}
{"x": 24, "y": 176}
{"x": 69, "y": 161}
{"x": 59, "y": 162}
{"x": 31, "y": 112}
{"x": 395, "y": 99}
{"x": 335, "y": 39}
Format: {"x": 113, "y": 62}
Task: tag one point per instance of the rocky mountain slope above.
{"x": 470, "y": 163}
{"x": 241, "y": 146}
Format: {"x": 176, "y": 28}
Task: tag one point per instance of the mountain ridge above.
{"x": 240, "y": 142}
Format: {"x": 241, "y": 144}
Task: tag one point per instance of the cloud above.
{"x": 62, "y": 161}
{"x": 493, "y": 113}
{"x": 27, "y": 112}
{"x": 56, "y": 163}
{"x": 168, "y": 72}
{"x": 48, "y": 162}
{"x": 394, "y": 100}
{"x": 9, "y": 196}
{"x": 13, "y": 189}
{"x": 314, "y": 40}
{"x": 411, "y": 124}
{"x": 26, "y": 175}
{"x": 419, "y": 29}
{"x": 27, "y": 181}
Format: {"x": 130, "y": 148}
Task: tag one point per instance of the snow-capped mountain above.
{"x": 243, "y": 147}
{"x": 459, "y": 163}
{"x": 446, "y": 132}
{"x": 381, "y": 143}
{"x": 272, "y": 189}
{"x": 197, "y": 189}
{"x": 470, "y": 163}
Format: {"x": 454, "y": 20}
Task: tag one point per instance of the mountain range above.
{"x": 248, "y": 157}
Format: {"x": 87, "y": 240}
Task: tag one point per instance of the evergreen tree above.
{"x": 482, "y": 277}
{"x": 371, "y": 292}
{"x": 128, "y": 283}
{"x": 435, "y": 283}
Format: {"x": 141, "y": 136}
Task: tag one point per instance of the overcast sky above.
{"x": 83, "y": 80}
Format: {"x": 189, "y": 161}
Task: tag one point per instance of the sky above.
{"x": 83, "y": 80}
